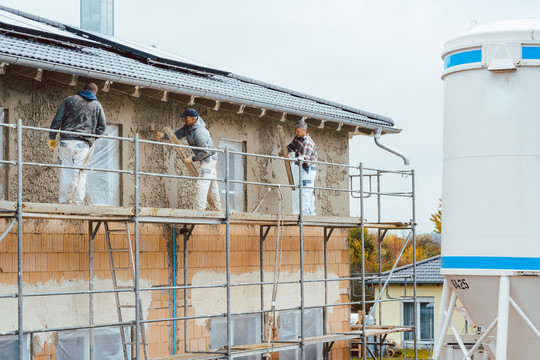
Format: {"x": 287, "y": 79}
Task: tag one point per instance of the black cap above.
{"x": 189, "y": 112}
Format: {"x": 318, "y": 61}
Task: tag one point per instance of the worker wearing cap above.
{"x": 80, "y": 113}
{"x": 197, "y": 135}
{"x": 304, "y": 149}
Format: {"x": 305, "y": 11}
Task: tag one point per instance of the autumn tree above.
{"x": 370, "y": 249}
{"x": 437, "y": 217}
{"x": 391, "y": 246}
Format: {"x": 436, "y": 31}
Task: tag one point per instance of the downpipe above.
{"x": 377, "y": 137}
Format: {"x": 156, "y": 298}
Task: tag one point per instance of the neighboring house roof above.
{"x": 428, "y": 271}
{"x": 30, "y": 41}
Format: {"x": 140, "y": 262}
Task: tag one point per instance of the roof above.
{"x": 33, "y": 42}
{"x": 428, "y": 271}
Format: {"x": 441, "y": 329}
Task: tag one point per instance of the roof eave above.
{"x": 360, "y": 127}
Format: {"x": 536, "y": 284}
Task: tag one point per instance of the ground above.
{"x": 407, "y": 354}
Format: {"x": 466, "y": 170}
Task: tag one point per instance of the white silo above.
{"x": 491, "y": 186}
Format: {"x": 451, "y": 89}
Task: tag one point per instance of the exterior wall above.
{"x": 392, "y": 312}
{"x": 56, "y": 252}
{"x": 207, "y": 266}
{"x": 55, "y": 259}
{"x": 36, "y": 104}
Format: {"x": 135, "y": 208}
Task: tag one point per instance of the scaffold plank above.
{"x": 387, "y": 225}
{"x": 192, "y": 356}
{"x": 163, "y": 215}
{"x": 376, "y": 330}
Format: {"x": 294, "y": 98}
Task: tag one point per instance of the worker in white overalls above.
{"x": 305, "y": 149}
{"x": 198, "y": 135}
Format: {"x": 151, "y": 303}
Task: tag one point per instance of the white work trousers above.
{"x": 207, "y": 189}
{"x": 308, "y": 195}
{"x": 72, "y": 186}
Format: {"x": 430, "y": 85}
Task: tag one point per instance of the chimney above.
{"x": 98, "y": 16}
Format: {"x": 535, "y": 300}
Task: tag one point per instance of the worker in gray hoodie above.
{"x": 196, "y": 134}
{"x": 80, "y": 113}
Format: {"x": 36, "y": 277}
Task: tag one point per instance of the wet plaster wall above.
{"x": 36, "y": 104}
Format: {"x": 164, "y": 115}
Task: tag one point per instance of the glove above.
{"x": 52, "y": 144}
{"x": 188, "y": 160}
{"x": 158, "y": 135}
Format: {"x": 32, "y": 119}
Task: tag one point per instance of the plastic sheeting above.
{"x": 245, "y": 329}
{"x": 9, "y": 347}
{"x": 75, "y": 345}
{"x": 236, "y": 172}
{"x": 290, "y": 330}
{"x": 102, "y": 188}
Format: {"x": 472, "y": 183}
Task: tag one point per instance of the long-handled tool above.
{"x": 192, "y": 170}
{"x": 283, "y": 153}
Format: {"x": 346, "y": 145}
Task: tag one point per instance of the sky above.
{"x": 380, "y": 56}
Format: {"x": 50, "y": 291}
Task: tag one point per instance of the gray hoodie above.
{"x": 197, "y": 135}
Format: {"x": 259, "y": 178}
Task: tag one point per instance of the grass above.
{"x": 407, "y": 355}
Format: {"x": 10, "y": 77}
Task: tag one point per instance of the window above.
{"x": 102, "y": 188}
{"x": 236, "y": 172}
{"x": 290, "y": 330}
{"x": 245, "y": 330}
{"x": 425, "y": 316}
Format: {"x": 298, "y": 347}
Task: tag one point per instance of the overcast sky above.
{"x": 381, "y": 56}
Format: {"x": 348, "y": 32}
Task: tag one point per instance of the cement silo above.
{"x": 491, "y": 186}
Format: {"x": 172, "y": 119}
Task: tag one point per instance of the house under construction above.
{"x": 138, "y": 274}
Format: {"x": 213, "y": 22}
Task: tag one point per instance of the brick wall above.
{"x": 55, "y": 258}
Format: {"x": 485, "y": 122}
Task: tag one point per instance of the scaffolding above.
{"x": 98, "y": 216}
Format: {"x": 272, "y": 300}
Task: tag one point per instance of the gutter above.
{"x": 377, "y": 137}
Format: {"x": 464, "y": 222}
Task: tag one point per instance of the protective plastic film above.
{"x": 75, "y": 345}
{"x": 290, "y": 330}
{"x": 245, "y": 330}
{"x": 9, "y": 347}
{"x": 102, "y": 188}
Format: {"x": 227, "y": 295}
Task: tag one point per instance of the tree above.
{"x": 370, "y": 250}
{"x": 426, "y": 247}
{"x": 437, "y": 217}
{"x": 391, "y": 246}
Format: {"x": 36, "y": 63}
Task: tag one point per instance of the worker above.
{"x": 80, "y": 113}
{"x": 194, "y": 130}
{"x": 304, "y": 149}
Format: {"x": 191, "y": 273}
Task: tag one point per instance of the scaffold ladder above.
{"x": 122, "y": 297}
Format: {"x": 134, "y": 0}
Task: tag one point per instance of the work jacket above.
{"x": 80, "y": 113}
{"x": 197, "y": 135}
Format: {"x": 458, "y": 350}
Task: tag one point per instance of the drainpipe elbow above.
{"x": 377, "y": 137}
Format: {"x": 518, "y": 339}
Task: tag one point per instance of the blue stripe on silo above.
{"x": 466, "y": 57}
{"x": 487, "y": 262}
{"x": 530, "y": 52}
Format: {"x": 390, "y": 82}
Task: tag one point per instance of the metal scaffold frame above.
{"x": 138, "y": 216}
